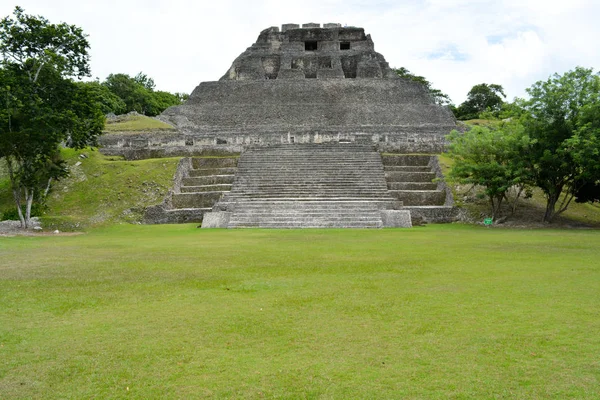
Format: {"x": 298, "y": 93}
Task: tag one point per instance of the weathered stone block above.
{"x": 396, "y": 219}
{"x": 216, "y": 219}
{"x": 286, "y": 27}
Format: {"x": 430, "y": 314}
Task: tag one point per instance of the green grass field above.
{"x": 442, "y": 311}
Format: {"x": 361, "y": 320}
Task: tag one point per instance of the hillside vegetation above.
{"x": 101, "y": 190}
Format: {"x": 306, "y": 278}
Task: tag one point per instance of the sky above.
{"x": 455, "y": 44}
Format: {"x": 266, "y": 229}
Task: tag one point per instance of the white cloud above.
{"x": 181, "y": 42}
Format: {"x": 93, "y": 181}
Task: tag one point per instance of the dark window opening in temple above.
{"x": 325, "y": 62}
{"x": 345, "y": 46}
{"x": 292, "y": 139}
{"x": 310, "y": 45}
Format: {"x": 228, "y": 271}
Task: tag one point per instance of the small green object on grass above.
{"x": 488, "y": 221}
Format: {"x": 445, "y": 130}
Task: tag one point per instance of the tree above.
{"x": 585, "y": 145}
{"x": 135, "y": 96}
{"x": 437, "y": 95}
{"x": 40, "y": 106}
{"x": 563, "y": 122}
{"x": 107, "y": 100}
{"x": 491, "y": 158}
{"x": 137, "y": 93}
{"x": 482, "y": 97}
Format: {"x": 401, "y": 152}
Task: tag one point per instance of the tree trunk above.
{"x": 17, "y": 197}
{"x": 550, "y": 207}
{"x": 496, "y": 205}
{"x": 29, "y": 202}
{"x": 47, "y": 188}
{"x": 15, "y": 189}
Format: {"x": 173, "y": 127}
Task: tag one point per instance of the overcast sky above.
{"x": 453, "y": 43}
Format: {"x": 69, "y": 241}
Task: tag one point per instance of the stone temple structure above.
{"x": 310, "y": 109}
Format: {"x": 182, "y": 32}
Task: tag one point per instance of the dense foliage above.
{"x": 135, "y": 94}
{"x": 437, "y": 95}
{"x": 492, "y": 159}
{"x": 40, "y": 105}
{"x": 481, "y": 98}
{"x": 557, "y": 149}
{"x": 562, "y": 119}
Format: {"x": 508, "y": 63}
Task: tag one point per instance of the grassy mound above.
{"x": 135, "y": 123}
{"x": 445, "y": 311}
{"x": 101, "y": 190}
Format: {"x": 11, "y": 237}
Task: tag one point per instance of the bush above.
{"x": 12, "y": 214}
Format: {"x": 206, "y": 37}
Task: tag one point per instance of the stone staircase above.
{"x": 410, "y": 179}
{"x": 199, "y": 183}
{"x": 334, "y": 185}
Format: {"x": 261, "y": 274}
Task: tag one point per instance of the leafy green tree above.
{"x": 107, "y": 100}
{"x": 563, "y": 122}
{"x": 482, "y": 97}
{"x": 492, "y": 159}
{"x": 40, "y": 107}
{"x": 437, "y": 95}
{"x": 145, "y": 81}
{"x": 164, "y": 100}
{"x": 138, "y": 94}
{"x": 135, "y": 96}
{"x": 585, "y": 147}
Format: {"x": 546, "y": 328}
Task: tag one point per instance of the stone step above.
{"x": 283, "y": 217}
{"x": 206, "y": 188}
{"x": 412, "y": 185}
{"x": 406, "y": 159}
{"x": 298, "y": 191}
{"x": 308, "y": 167}
{"x": 304, "y": 162}
{"x": 312, "y": 190}
{"x": 308, "y": 179}
{"x": 434, "y": 213}
{"x": 406, "y": 168}
{"x": 309, "y": 225}
{"x": 309, "y": 201}
{"x": 214, "y": 162}
{"x": 208, "y": 180}
{"x": 409, "y": 176}
{"x": 316, "y": 176}
{"x": 328, "y": 159}
{"x": 321, "y": 184}
{"x": 196, "y": 200}
{"x": 211, "y": 171}
{"x": 324, "y": 206}
{"x": 310, "y": 148}
{"x": 420, "y": 197}
{"x": 312, "y": 195}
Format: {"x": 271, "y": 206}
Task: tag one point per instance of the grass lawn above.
{"x": 446, "y": 311}
{"x": 135, "y": 123}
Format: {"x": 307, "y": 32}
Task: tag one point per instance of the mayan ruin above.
{"x": 310, "y": 109}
